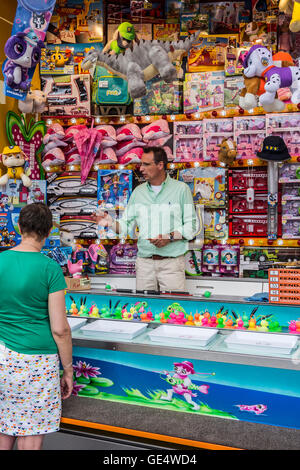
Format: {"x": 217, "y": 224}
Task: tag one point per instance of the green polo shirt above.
{"x": 172, "y": 209}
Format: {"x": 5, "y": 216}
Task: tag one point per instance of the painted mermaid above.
{"x": 182, "y": 384}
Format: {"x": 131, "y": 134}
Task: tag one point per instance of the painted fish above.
{"x": 257, "y": 409}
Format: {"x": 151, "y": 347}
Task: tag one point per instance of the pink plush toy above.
{"x": 129, "y": 132}
{"x": 108, "y": 155}
{"x": 123, "y": 147}
{"x": 156, "y": 130}
{"x": 109, "y": 135}
{"x": 75, "y": 269}
{"x": 132, "y": 156}
{"x": 54, "y": 157}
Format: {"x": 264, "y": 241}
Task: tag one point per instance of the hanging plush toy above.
{"x": 123, "y": 38}
{"x": 259, "y": 63}
{"x": 291, "y": 7}
{"x": 141, "y": 62}
{"x": 23, "y": 48}
{"x": 15, "y": 161}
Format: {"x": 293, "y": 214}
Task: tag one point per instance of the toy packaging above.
{"x": 242, "y": 179}
{"x": 146, "y": 11}
{"x": 203, "y": 91}
{"x": 106, "y": 233}
{"x": 161, "y": 98}
{"x": 172, "y": 10}
{"x": 249, "y": 134}
{"x": 232, "y": 88}
{"x": 264, "y": 32}
{"x": 188, "y": 141}
{"x": 53, "y": 240}
{"x": 18, "y": 195}
{"x": 69, "y": 183}
{"x": 291, "y": 209}
{"x": 122, "y": 259}
{"x": 9, "y": 231}
{"x": 59, "y": 254}
{"x": 215, "y": 226}
{"x": 193, "y": 261}
{"x": 165, "y": 32}
{"x": 224, "y": 16}
{"x": 290, "y": 192}
{"x": 208, "y": 54}
{"x": 143, "y": 31}
{"x": 190, "y": 24}
{"x": 23, "y": 48}
{"x": 64, "y": 59}
{"x": 289, "y": 173}
{"x": 214, "y": 132}
{"x": 287, "y": 127}
{"x": 68, "y": 205}
{"x": 248, "y": 226}
{"x": 80, "y": 226}
{"x": 114, "y": 188}
{"x": 210, "y": 259}
{"x": 240, "y": 204}
{"x": 229, "y": 259}
{"x": 76, "y": 21}
{"x": 291, "y": 228}
{"x": 68, "y": 95}
{"x": 234, "y": 60}
{"x": 207, "y": 185}
{"x": 255, "y": 262}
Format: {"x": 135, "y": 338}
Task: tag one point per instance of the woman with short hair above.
{"x": 34, "y": 334}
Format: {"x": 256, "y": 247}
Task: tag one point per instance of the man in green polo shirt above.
{"x": 163, "y": 210}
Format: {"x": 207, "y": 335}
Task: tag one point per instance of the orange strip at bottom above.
{"x": 147, "y": 435}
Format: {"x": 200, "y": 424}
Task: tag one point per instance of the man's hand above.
{"x": 160, "y": 241}
{"x": 102, "y": 218}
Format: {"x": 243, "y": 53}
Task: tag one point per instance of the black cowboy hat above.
{"x": 274, "y": 150}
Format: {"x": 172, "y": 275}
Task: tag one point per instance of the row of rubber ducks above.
{"x": 175, "y": 314}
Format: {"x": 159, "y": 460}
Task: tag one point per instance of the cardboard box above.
{"x": 82, "y": 283}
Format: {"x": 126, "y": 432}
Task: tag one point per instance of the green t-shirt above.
{"x": 26, "y": 280}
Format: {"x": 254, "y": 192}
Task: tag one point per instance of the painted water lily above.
{"x": 77, "y": 388}
{"x": 82, "y": 368}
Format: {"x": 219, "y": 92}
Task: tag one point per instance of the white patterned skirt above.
{"x": 30, "y": 396}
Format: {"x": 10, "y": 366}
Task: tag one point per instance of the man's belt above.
{"x": 158, "y": 257}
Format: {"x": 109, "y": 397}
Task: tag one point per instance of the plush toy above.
{"x": 23, "y": 51}
{"x": 67, "y": 239}
{"x": 15, "y": 159}
{"x": 227, "y": 152}
{"x": 141, "y": 62}
{"x": 75, "y": 269}
{"x": 123, "y": 38}
{"x": 35, "y": 102}
{"x": 263, "y": 77}
{"x": 291, "y": 8}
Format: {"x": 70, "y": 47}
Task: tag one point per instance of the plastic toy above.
{"x": 241, "y": 204}
{"x": 143, "y": 62}
{"x": 114, "y": 188}
{"x": 241, "y": 180}
{"x": 188, "y": 141}
{"x": 232, "y": 89}
{"x": 110, "y": 93}
{"x": 15, "y": 160}
{"x": 123, "y": 38}
{"x": 208, "y": 53}
{"x": 215, "y": 226}
{"x": 122, "y": 259}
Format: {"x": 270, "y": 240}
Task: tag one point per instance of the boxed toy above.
{"x": 76, "y": 21}
{"x": 287, "y": 127}
{"x": 114, "y": 188}
{"x": 68, "y": 94}
{"x": 18, "y": 195}
{"x": 146, "y": 11}
{"x": 172, "y": 10}
{"x": 9, "y": 231}
{"x": 234, "y": 60}
{"x": 69, "y": 183}
{"x": 215, "y": 226}
{"x": 203, "y": 91}
{"x": 248, "y": 226}
{"x": 68, "y": 205}
{"x": 291, "y": 228}
{"x": 291, "y": 209}
{"x": 224, "y": 16}
{"x": 53, "y": 240}
{"x": 191, "y": 23}
{"x": 210, "y": 259}
{"x": 249, "y": 134}
{"x": 239, "y": 204}
{"x": 207, "y": 185}
{"x": 290, "y": 192}
{"x": 193, "y": 261}
{"x": 142, "y": 30}
{"x": 232, "y": 88}
{"x": 161, "y": 98}
{"x": 122, "y": 259}
{"x": 188, "y": 141}
{"x": 289, "y": 173}
{"x": 80, "y": 226}
{"x": 229, "y": 259}
{"x": 214, "y": 132}
{"x": 242, "y": 179}
{"x": 208, "y": 53}
{"x": 166, "y": 32}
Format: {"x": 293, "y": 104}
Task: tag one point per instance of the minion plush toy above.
{"x": 122, "y": 39}
{"x": 14, "y": 159}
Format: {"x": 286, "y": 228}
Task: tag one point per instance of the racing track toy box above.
{"x": 68, "y": 95}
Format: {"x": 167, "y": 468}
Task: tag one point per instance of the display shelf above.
{"x": 216, "y": 351}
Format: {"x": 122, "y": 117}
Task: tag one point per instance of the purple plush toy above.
{"x": 23, "y": 51}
